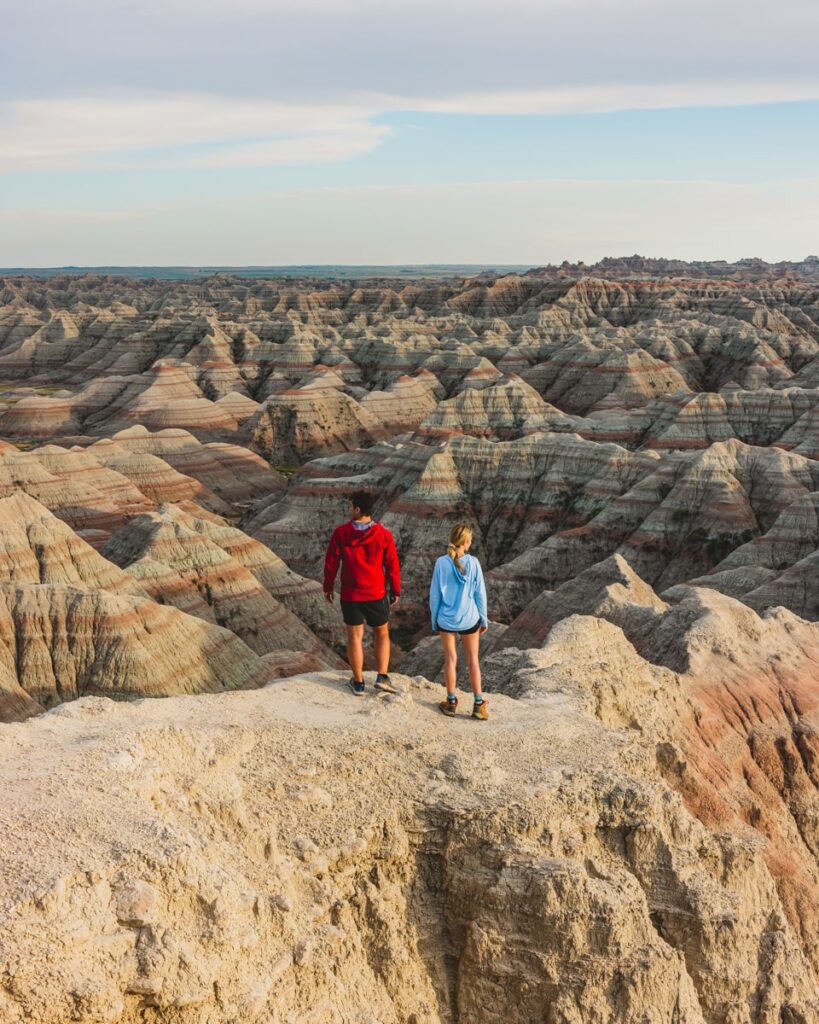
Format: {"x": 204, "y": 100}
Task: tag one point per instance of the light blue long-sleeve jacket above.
{"x": 457, "y": 600}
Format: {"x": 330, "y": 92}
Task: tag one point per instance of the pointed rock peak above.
{"x": 22, "y": 506}
{"x": 236, "y": 398}
{"x": 618, "y": 569}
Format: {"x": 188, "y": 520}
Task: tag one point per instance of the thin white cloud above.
{"x": 315, "y": 76}
{"x": 354, "y": 140}
{"x": 182, "y": 130}
{"x": 607, "y": 97}
{"x": 92, "y": 132}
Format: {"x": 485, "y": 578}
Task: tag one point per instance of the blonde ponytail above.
{"x": 459, "y": 535}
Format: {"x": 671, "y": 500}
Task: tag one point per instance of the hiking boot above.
{"x": 449, "y": 707}
{"x": 357, "y": 687}
{"x": 384, "y": 683}
{"x": 480, "y": 711}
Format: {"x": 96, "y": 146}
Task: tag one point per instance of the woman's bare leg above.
{"x": 448, "y": 642}
{"x": 472, "y": 642}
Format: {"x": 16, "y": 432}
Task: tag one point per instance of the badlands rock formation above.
{"x": 72, "y": 622}
{"x": 219, "y": 574}
{"x": 631, "y": 839}
{"x": 655, "y": 357}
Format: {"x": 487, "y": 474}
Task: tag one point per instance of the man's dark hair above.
{"x": 363, "y": 500}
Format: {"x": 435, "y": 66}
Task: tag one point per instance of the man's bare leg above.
{"x": 381, "y": 648}
{"x": 355, "y": 651}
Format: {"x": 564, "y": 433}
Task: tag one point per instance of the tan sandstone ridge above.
{"x": 100, "y": 487}
{"x": 218, "y": 573}
{"x": 292, "y": 854}
{"x": 319, "y": 417}
{"x": 187, "y": 616}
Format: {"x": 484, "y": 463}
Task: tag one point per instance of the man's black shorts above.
{"x": 374, "y": 613}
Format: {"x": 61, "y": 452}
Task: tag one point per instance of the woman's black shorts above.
{"x": 463, "y": 632}
{"x": 374, "y": 613}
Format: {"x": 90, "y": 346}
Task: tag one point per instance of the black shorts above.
{"x": 374, "y": 613}
{"x": 463, "y": 632}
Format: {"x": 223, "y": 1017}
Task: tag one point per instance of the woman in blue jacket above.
{"x": 457, "y": 601}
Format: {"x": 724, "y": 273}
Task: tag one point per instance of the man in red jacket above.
{"x": 366, "y": 551}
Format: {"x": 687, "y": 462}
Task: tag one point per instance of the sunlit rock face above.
{"x": 637, "y": 873}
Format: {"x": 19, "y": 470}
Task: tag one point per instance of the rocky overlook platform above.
{"x": 296, "y": 854}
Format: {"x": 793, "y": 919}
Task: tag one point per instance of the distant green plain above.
{"x": 328, "y": 271}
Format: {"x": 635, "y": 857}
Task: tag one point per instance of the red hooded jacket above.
{"x": 368, "y": 558}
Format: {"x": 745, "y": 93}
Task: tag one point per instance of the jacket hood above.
{"x": 358, "y": 537}
{"x": 462, "y": 577}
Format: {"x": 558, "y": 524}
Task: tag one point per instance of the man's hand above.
{"x": 329, "y": 596}
{"x": 394, "y": 600}
{"x": 483, "y": 629}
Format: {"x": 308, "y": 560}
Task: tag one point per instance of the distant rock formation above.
{"x": 63, "y": 642}
{"x": 223, "y": 380}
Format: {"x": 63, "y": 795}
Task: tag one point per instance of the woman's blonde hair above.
{"x": 459, "y": 534}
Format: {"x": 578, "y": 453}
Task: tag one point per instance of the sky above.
{"x": 218, "y": 132}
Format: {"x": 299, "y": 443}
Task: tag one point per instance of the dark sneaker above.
{"x": 481, "y": 711}
{"x": 449, "y": 707}
{"x": 357, "y": 688}
{"x": 383, "y": 682}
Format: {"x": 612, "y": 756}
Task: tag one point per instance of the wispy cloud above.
{"x": 307, "y": 82}
{"x": 188, "y": 130}
{"x": 83, "y": 133}
{"x": 607, "y": 97}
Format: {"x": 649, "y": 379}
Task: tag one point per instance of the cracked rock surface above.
{"x": 293, "y": 854}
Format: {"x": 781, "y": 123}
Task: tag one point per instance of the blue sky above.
{"x": 406, "y": 131}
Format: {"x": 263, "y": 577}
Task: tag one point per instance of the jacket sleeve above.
{"x": 435, "y": 596}
{"x": 331, "y": 563}
{"x": 480, "y": 596}
{"x": 392, "y": 567}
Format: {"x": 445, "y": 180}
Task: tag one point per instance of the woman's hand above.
{"x": 483, "y": 629}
